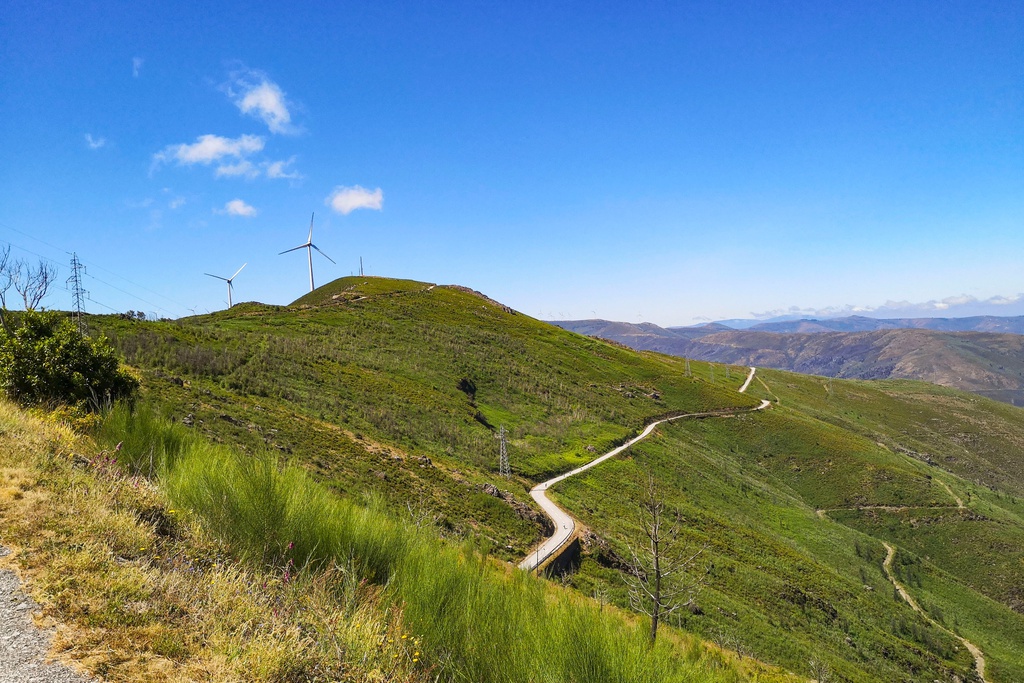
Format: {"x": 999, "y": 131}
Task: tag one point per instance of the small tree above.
{"x": 45, "y": 361}
{"x": 33, "y": 283}
{"x": 659, "y": 579}
{"x": 6, "y": 280}
{"x": 820, "y": 671}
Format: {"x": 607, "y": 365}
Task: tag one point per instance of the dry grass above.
{"x": 139, "y": 592}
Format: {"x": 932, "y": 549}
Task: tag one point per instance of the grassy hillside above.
{"x": 221, "y": 566}
{"x": 397, "y": 387}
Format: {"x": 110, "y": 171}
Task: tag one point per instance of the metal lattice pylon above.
{"x": 503, "y": 467}
{"x": 78, "y": 294}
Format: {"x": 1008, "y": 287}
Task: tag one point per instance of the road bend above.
{"x": 979, "y": 658}
{"x": 565, "y": 525}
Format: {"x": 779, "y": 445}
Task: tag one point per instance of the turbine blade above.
{"x": 310, "y": 238}
{"x": 216, "y": 276}
{"x": 323, "y": 254}
{"x": 301, "y": 246}
{"x": 238, "y": 271}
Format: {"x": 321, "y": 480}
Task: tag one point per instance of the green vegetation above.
{"x": 784, "y": 584}
{"x": 45, "y": 361}
{"x": 142, "y": 592}
{"x": 379, "y": 369}
{"x": 390, "y": 392}
{"x": 470, "y": 618}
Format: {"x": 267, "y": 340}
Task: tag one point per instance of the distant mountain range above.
{"x": 859, "y": 323}
{"x": 982, "y": 354}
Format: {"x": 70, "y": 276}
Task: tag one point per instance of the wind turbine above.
{"x": 228, "y": 280}
{"x": 309, "y": 246}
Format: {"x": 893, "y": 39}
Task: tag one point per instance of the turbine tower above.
{"x": 228, "y": 280}
{"x": 309, "y": 247}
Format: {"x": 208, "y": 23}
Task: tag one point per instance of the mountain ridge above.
{"x": 987, "y": 363}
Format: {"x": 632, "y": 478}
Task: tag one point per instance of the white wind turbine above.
{"x": 228, "y": 280}
{"x": 309, "y": 246}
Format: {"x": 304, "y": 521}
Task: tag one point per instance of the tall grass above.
{"x": 476, "y": 619}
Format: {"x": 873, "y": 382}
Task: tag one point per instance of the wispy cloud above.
{"x": 176, "y": 203}
{"x": 94, "y": 143}
{"x": 208, "y": 149}
{"x": 243, "y": 168}
{"x": 237, "y": 207}
{"x": 281, "y": 169}
{"x": 136, "y": 66}
{"x": 345, "y": 200}
{"x": 256, "y": 95}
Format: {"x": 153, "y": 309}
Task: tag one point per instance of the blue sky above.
{"x": 670, "y": 162}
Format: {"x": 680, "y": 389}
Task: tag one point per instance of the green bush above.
{"x": 44, "y": 360}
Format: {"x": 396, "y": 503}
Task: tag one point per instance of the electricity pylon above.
{"x": 503, "y": 466}
{"x": 78, "y": 294}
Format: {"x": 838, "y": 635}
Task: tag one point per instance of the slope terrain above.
{"x": 394, "y": 389}
{"x": 987, "y": 363}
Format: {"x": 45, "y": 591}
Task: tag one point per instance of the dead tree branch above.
{"x": 661, "y": 578}
{"x": 33, "y": 283}
{"x": 6, "y": 280}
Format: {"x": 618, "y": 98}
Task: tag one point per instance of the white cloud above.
{"x": 345, "y": 200}
{"x": 136, "y": 66}
{"x": 255, "y": 94}
{"x": 951, "y": 306}
{"x": 209, "y": 148}
{"x": 94, "y": 143}
{"x": 243, "y": 168}
{"x": 280, "y": 169}
{"x": 176, "y": 203}
{"x": 236, "y": 207}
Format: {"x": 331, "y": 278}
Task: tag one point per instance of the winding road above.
{"x": 565, "y": 525}
{"x": 979, "y": 658}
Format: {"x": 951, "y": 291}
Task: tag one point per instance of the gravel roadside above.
{"x": 23, "y": 645}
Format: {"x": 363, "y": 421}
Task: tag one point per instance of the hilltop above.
{"x": 393, "y": 390}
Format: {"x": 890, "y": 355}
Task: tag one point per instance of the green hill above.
{"x": 394, "y": 389}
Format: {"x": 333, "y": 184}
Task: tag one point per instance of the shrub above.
{"x": 44, "y": 360}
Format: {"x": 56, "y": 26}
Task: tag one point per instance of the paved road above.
{"x": 565, "y": 525}
{"x": 23, "y": 645}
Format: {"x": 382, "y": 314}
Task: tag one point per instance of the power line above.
{"x": 37, "y": 255}
{"x": 112, "y": 310}
{"x": 31, "y": 237}
{"x": 136, "y": 296}
{"x": 94, "y": 266}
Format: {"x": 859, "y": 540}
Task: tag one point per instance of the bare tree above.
{"x": 820, "y": 671}
{"x": 33, "y": 283}
{"x": 660, "y": 577}
{"x": 7, "y": 271}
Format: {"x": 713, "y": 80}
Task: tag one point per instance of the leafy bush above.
{"x": 44, "y": 360}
